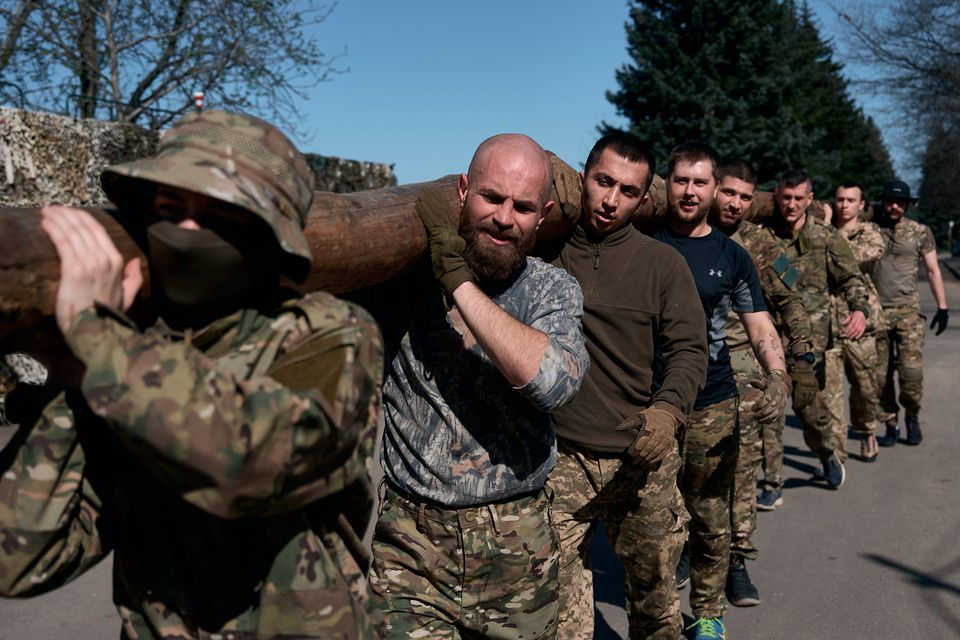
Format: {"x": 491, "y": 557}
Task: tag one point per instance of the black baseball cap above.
{"x": 896, "y": 190}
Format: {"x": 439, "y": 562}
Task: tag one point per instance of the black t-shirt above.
{"x": 725, "y": 276}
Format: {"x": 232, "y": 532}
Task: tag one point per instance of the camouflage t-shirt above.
{"x": 895, "y": 274}
{"x": 457, "y": 433}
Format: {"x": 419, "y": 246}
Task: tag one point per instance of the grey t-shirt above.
{"x": 457, "y": 433}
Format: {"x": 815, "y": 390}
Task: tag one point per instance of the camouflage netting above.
{"x": 346, "y": 176}
{"x": 51, "y": 159}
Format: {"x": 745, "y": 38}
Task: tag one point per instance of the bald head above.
{"x": 515, "y": 153}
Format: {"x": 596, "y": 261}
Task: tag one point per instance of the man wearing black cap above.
{"x": 901, "y": 346}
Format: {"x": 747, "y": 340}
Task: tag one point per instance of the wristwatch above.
{"x": 809, "y": 357}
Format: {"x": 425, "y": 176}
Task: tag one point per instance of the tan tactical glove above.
{"x": 770, "y": 406}
{"x": 446, "y": 245}
{"x": 805, "y": 385}
{"x": 656, "y": 428}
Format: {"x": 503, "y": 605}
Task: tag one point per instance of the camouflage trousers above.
{"x": 743, "y": 499}
{"x": 710, "y": 449}
{"x": 858, "y": 360}
{"x": 900, "y": 351}
{"x": 486, "y": 571}
{"x": 817, "y": 431}
{"x": 645, "y": 521}
{"x": 771, "y": 439}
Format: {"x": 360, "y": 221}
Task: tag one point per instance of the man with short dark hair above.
{"x": 725, "y": 278}
{"x": 858, "y": 358}
{"x": 827, "y": 266}
{"x": 735, "y": 194}
{"x": 618, "y": 455}
{"x": 900, "y": 347}
{"x": 464, "y": 543}
{"x": 221, "y": 454}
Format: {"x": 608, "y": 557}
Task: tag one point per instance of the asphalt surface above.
{"x": 880, "y": 558}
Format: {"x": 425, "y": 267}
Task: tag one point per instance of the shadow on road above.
{"x": 932, "y": 585}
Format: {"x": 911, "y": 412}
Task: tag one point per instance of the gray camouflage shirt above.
{"x": 457, "y": 433}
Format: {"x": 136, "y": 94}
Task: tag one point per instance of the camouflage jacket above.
{"x": 868, "y": 246}
{"x": 778, "y": 278}
{"x": 826, "y": 265}
{"x": 456, "y": 432}
{"x": 895, "y": 274}
{"x": 227, "y": 471}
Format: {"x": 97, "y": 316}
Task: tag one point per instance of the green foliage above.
{"x": 754, "y": 79}
{"x": 939, "y": 193}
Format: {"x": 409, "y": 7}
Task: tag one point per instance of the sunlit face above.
{"x": 895, "y": 207}
{"x": 793, "y": 201}
{"x": 849, "y": 204}
{"x": 501, "y": 212}
{"x": 691, "y": 190}
{"x": 613, "y": 191}
{"x": 734, "y": 197}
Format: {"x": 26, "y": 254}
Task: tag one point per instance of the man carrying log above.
{"x": 735, "y": 195}
{"x": 726, "y": 279}
{"x": 618, "y": 453}
{"x": 827, "y": 266}
{"x": 464, "y": 544}
{"x": 222, "y": 453}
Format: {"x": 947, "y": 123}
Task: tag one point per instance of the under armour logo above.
{"x": 716, "y": 272}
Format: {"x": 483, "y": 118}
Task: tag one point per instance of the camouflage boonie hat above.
{"x": 232, "y": 157}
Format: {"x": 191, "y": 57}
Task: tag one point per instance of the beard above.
{"x": 491, "y": 263}
{"x": 687, "y": 218}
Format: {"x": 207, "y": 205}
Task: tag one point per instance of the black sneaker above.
{"x": 683, "y": 570}
{"x": 834, "y": 472}
{"x": 913, "y": 430}
{"x": 740, "y": 589}
{"x": 769, "y": 499}
{"x": 890, "y": 436}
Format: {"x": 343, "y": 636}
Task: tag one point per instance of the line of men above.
{"x": 221, "y": 454}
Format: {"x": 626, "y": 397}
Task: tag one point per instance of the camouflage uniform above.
{"x": 856, "y": 357}
{"x": 900, "y": 347}
{"x": 777, "y": 277}
{"x": 173, "y": 446}
{"x": 464, "y": 541}
{"x": 226, "y": 468}
{"x": 826, "y": 265}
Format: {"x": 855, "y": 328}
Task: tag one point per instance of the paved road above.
{"x": 878, "y": 559}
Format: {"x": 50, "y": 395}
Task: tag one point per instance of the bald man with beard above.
{"x": 464, "y": 544}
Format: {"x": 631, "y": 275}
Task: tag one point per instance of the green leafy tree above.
{"x": 139, "y": 61}
{"x": 753, "y": 78}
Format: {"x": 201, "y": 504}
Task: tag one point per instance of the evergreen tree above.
{"x": 939, "y": 196}
{"x": 753, "y": 78}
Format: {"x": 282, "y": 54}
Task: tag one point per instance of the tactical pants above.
{"x": 900, "y": 350}
{"x": 743, "y": 501}
{"x": 706, "y": 479}
{"x": 488, "y": 571}
{"x": 817, "y": 432}
{"x": 771, "y": 436}
{"x": 860, "y": 365}
{"x": 645, "y": 521}
{"x": 833, "y": 398}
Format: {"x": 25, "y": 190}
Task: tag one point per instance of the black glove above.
{"x": 446, "y": 246}
{"x": 940, "y": 321}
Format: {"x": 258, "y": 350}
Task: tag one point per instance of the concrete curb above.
{"x": 952, "y": 264}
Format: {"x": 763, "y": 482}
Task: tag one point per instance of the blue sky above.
{"x": 429, "y": 79}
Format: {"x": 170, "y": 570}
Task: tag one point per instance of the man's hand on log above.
{"x": 91, "y": 268}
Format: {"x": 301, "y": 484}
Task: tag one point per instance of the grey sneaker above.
{"x": 769, "y": 499}
{"x": 834, "y": 472}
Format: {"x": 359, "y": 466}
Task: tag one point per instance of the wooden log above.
{"x": 358, "y": 240}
